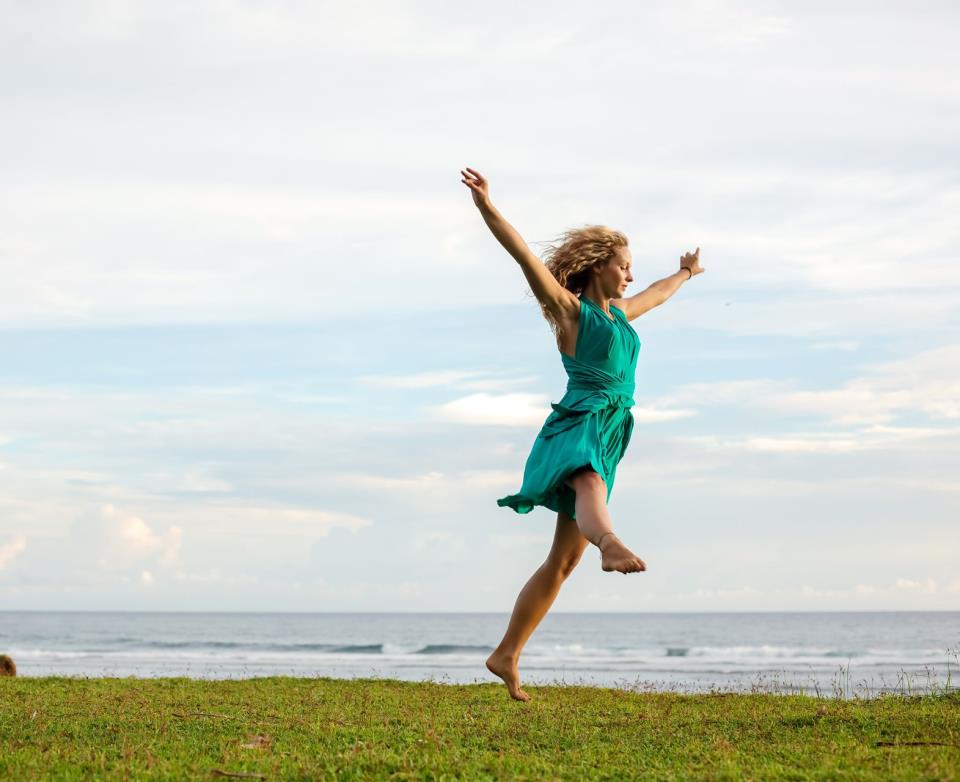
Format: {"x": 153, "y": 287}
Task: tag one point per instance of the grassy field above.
{"x": 367, "y": 729}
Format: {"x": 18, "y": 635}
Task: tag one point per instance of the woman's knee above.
{"x": 568, "y": 545}
{"x": 585, "y": 478}
{"x": 567, "y": 561}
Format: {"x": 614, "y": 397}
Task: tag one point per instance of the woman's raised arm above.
{"x": 561, "y": 302}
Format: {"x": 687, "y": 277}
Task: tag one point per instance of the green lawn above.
{"x": 363, "y": 729}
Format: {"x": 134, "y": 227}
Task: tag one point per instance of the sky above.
{"x": 259, "y": 352}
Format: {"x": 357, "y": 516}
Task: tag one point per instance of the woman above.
{"x": 572, "y": 465}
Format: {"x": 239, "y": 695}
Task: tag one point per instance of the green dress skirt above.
{"x": 591, "y": 425}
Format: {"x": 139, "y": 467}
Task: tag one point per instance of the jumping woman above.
{"x": 573, "y": 462}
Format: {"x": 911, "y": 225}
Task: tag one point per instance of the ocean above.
{"x": 840, "y": 654}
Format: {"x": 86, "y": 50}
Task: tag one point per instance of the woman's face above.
{"x": 616, "y": 274}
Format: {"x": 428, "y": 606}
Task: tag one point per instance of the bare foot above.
{"x": 618, "y": 557}
{"x": 506, "y": 668}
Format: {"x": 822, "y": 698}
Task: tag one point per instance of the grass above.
{"x": 293, "y": 728}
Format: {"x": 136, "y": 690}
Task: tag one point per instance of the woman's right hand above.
{"x": 478, "y": 186}
{"x": 691, "y": 261}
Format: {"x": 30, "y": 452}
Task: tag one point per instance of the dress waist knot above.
{"x": 620, "y": 388}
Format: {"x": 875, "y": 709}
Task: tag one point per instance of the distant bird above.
{"x": 7, "y": 666}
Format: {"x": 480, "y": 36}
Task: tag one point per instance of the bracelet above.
{"x": 689, "y": 270}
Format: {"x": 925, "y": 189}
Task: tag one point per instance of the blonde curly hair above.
{"x": 578, "y": 251}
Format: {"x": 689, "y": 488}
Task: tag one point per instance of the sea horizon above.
{"x": 504, "y": 611}
{"x": 787, "y": 651}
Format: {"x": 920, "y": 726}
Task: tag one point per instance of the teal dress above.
{"x": 592, "y": 423}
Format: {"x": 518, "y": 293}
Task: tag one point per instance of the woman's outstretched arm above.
{"x": 656, "y": 293}
{"x": 561, "y": 302}
{"x": 669, "y": 285}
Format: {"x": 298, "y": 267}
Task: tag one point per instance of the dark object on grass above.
{"x": 7, "y": 666}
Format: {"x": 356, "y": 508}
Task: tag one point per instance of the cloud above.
{"x": 927, "y": 382}
{"x": 449, "y": 378}
{"x": 926, "y": 587}
{"x": 122, "y": 539}
{"x": 273, "y": 521}
{"x": 367, "y": 481}
{"x": 901, "y": 586}
{"x": 858, "y": 595}
{"x": 874, "y": 438}
{"x": 9, "y": 551}
{"x": 449, "y": 483}
{"x": 440, "y": 377}
{"x": 722, "y": 594}
{"x": 484, "y": 409}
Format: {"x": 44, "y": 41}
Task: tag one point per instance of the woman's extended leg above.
{"x": 535, "y": 600}
{"x": 593, "y": 518}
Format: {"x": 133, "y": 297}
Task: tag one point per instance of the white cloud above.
{"x": 874, "y": 593}
{"x": 807, "y": 315}
{"x": 125, "y": 538}
{"x": 485, "y": 409}
{"x": 262, "y": 521}
{"x": 720, "y": 594}
{"x": 927, "y": 586}
{"x": 387, "y": 482}
{"x": 450, "y": 482}
{"x": 724, "y": 392}
{"x": 420, "y": 379}
{"x": 856, "y": 441}
{"x": 843, "y": 598}
{"x": 927, "y": 382}
{"x": 470, "y": 380}
{"x": 9, "y": 551}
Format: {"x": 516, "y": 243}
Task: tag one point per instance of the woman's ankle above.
{"x": 599, "y": 543}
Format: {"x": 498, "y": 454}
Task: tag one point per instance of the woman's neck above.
{"x": 601, "y": 301}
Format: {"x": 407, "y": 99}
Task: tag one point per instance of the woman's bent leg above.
{"x": 593, "y": 518}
